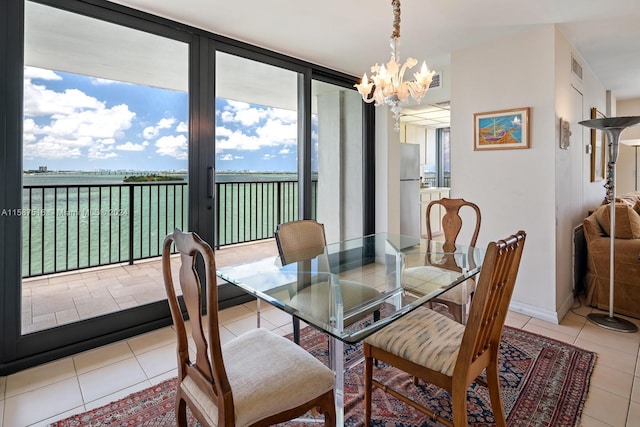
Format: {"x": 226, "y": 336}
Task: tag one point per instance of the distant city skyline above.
{"x": 80, "y": 123}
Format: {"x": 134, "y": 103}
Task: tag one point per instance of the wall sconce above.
{"x": 565, "y": 133}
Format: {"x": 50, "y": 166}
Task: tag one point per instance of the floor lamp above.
{"x": 635, "y": 143}
{"x": 612, "y": 127}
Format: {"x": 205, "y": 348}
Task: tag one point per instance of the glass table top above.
{"x": 357, "y": 286}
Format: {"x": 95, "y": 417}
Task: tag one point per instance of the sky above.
{"x": 74, "y": 122}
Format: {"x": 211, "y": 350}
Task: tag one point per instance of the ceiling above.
{"x": 352, "y": 35}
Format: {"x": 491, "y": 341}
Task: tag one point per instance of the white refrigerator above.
{"x": 410, "y": 190}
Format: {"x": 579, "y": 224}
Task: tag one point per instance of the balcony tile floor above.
{"x": 43, "y": 394}
{"x": 58, "y": 299}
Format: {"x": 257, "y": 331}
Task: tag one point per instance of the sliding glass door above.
{"x": 256, "y": 148}
{"x": 120, "y": 126}
{"x": 105, "y": 132}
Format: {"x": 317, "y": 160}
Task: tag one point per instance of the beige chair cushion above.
{"x": 314, "y": 302}
{"x": 423, "y": 337}
{"x": 627, "y": 220}
{"x": 268, "y": 374}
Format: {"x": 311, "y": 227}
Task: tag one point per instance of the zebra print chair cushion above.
{"x": 423, "y": 337}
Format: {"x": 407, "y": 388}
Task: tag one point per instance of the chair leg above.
{"x": 368, "y": 389}
{"x": 329, "y": 411}
{"x": 181, "y": 412}
{"x": 459, "y": 407}
{"x": 493, "y": 383}
{"x": 296, "y": 330}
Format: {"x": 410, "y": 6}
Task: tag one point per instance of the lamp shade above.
{"x": 631, "y": 142}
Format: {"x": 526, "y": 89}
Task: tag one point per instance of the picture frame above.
{"x": 598, "y": 149}
{"x": 501, "y": 130}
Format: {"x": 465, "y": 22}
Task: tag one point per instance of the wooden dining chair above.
{"x": 302, "y": 240}
{"x": 437, "y": 349}
{"x": 459, "y": 297}
{"x": 257, "y": 379}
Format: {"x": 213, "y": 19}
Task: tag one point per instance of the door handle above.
{"x": 211, "y": 185}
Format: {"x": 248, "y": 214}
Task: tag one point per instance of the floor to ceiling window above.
{"x": 105, "y": 164}
{"x": 256, "y": 148}
{"x": 120, "y": 126}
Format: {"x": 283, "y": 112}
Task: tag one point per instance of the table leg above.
{"x": 336, "y": 356}
{"x": 257, "y": 312}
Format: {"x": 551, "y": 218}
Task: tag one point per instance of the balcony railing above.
{"x": 70, "y": 227}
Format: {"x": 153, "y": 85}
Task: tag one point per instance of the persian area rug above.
{"x": 544, "y": 383}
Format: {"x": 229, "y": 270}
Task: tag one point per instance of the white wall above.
{"x": 569, "y": 165}
{"x": 515, "y": 189}
{"x": 543, "y": 190}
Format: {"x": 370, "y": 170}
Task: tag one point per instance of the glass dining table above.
{"x": 406, "y": 271}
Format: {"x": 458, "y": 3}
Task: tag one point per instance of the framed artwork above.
{"x": 598, "y": 149}
{"x": 501, "y": 130}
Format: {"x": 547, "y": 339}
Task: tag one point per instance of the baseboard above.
{"x": 537, "y": 312}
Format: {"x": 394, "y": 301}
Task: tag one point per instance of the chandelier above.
{"x": 387, "y": 85}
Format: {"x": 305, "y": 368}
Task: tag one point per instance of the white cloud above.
{"x": 151, "y": 132}
{"x": 279, "y": 131}
{"x": 173, "y": 146}
{"x": 62, "y": 124}
{"x": 285, "y": 151}
{"x": 51, "y": 150}
{"x": 244, "y": 113}
{"x": 130, "y": 146}
{"x": 227, "y": 116}
{"x": 101, "y": 149}
{"x": 250, "y": 116}
{"x": 226, "y": 157}
{"x": 40, "y": 101}
{"x": 40, "y": 73}
{"x": 268, "y": 156}
{"x": 261, "y": 127}
{"x": 96, "y": 81}
{"x": 166, "y": 122}
{"x": 182, "y": 127}
{"x": 237, "y": 105}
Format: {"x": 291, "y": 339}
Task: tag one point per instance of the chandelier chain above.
{"x": 396, "y": 19}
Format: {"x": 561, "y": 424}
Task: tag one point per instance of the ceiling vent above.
{"x": 436, "y": 82}
{"x": 576, "y": 68}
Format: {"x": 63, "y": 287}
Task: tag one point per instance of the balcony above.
{"x": 90, "y": 250}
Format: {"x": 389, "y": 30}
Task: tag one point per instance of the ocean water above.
{"x": 77, "y": 220}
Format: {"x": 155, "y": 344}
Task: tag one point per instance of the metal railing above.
{"x": 70, "y": 227}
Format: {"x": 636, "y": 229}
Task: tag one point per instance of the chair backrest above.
{"x": 452, "y": 221}
{"x": 209, "y": 375}
{"x": 491, "y": 300}
{"x": 300, "y": 240}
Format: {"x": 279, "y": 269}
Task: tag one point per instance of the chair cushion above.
{"x": 314, "y": 300}
{"x": 268, "y": 374}
{"x": 423, "y": 337}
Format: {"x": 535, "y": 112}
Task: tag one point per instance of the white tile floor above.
{"x": 46, "y": 393}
